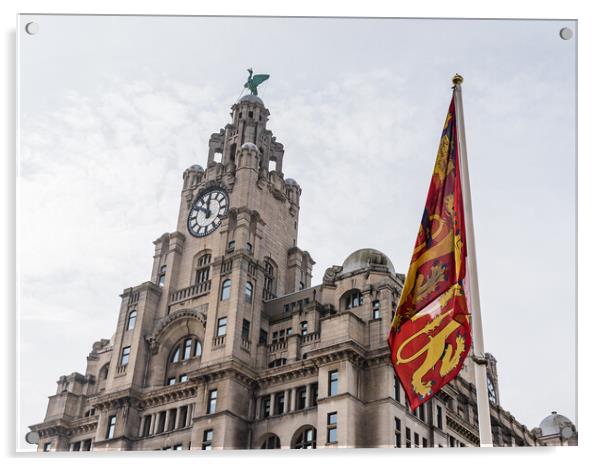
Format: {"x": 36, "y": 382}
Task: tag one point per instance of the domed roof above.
{"x": 251, "y": 99}
{"x": 291, "y": 181}
{"x": 553, "y": 424}
{"x": 365, "y": 258}
{"x": 196, "y": 167}
{"x": 249, "y": 146}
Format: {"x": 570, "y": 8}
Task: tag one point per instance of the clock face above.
{"x": 207, "y": 212}
{"x": 490, "y": 390}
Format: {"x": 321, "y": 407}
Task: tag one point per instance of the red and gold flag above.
{"x": 430, "y": 333}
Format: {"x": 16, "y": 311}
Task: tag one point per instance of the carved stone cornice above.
{"x": 115, "y": 400}
{"x": 217, "y": 371}
{"x": 168, "y": 394}
{"x": 467, "y": 431}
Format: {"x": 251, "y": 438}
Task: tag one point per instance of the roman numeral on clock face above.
{"x": 207, "y": 211}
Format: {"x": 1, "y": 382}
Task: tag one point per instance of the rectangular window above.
{"x": 47, "y": 446}
{"x": 416, "y": 440}
{"x": 125, "y": 355}
{"x": 376, "y": 310}
{"x": 183, "y": 378}
{"x": 231, "y": 245}
{"x": 246, "y": 329}
{"x": 313, "y": 394}
{"x": 331, "y": 427}
{"x": 183, "y": 416}
{"x": 301, "y": 398}
{"x": 112, "y": 421}
{"x": 289, "y": 331}
{"x": 425, "y": 443}
{"x": 146, "y": 422}
{"x": 249, "y": 248}
{"x": 265, "y": 407}
{"x": 87, "y": 445}
{"x": 287, "y": 308}
{"x": 421, "y": 412}
{"x": 303, "y": 328}
{"x": 162, "y": 274}
{"x": 178, "y": 446}
{"x": 397, "y": 432}
{"x": 281, "y": 335}
{"x": 76, "y": 446}
{"x": 263, "y": 337}
{"x": 408, "y": 438}
{"x": 396, "y": 389}
{"x": 171, "y": 381}
{"x": 333, "y": 383}
{"x": 207, "y": 439}
{"x": 212, "y": 403}
{"x": 161, "y": 422}
{"x": 274, "y": 336}
{"x": 222, "y": 323}
{"x": 439, "y": 417}
{"x": 279, "y": 405}
{"x": 187, "y": 348}
{"x": 452, "y": 441}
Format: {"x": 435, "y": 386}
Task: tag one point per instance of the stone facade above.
{"x": 229, "y": 346}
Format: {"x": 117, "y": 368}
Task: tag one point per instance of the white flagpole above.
{"x": 480, "y": 363}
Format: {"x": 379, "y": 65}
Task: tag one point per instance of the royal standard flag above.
{"x": 430, "y": 333}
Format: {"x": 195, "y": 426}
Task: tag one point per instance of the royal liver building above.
{"x": 230, "y": 346}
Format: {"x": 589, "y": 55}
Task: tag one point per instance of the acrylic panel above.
{"x": 210, "y": 259}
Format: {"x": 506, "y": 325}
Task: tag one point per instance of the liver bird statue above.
{"x": 254, "y": 81}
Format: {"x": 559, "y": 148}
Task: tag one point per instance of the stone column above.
{"x": 167, "y": 419}
{"x": 293, "y": 400}
{"x": 189, "y": 414}
{"x": 151, "y": 431}
{"x": 177, "y": 423}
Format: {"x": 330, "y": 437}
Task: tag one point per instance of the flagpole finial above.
{"x": 457, "y": 79}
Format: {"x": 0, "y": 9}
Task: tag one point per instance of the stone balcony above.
{"x": 190, "y": 292}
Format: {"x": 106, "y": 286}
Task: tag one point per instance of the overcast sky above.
{"x": 113, "y": 109}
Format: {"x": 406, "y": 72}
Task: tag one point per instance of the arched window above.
{"x": 277, "y": 363}
{"x": 272, "y": 442}
{"x": 351, "y": 299}
{"x": 248, "y": 292}
{"x": 132, "y": 320}
{"x": 189, "y": 347}
{"x": 203, "y": 269}
{"x": 226, "y": 289}
{"x": 103, "y": 374}
{"x": 162, "y": 274}
{"x": 305, "y": 439}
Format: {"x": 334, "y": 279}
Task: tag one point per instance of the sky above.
{"x": 112, "y": 110}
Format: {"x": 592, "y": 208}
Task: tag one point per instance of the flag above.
{"x": 430, "y": 333}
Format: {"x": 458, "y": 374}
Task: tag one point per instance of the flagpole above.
{"x": 480, "y": 362}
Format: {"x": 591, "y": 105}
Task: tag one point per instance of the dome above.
{"x": 291, "y": 181}
{"x": 249, "y": 146}
{"x": 365, "y": 258}
{"x": 196, "y": 168}
{"x": 253, "y": 99}
{"x": 553, "y": 424}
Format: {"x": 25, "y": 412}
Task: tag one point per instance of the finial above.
{"x": 457, "y": 79}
